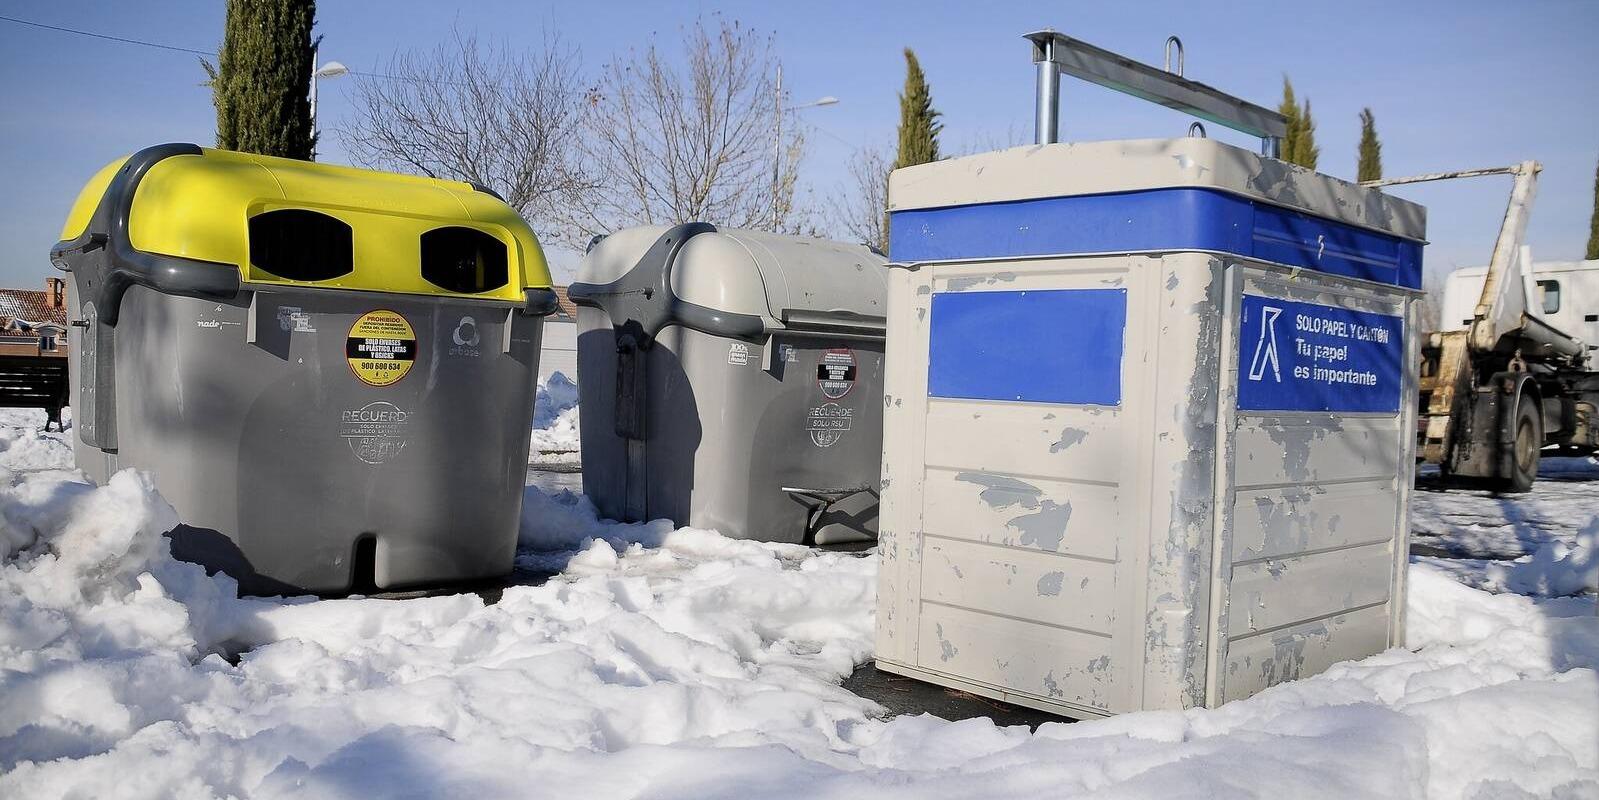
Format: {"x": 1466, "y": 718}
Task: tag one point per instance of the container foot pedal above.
{"x": 838, "y": 515}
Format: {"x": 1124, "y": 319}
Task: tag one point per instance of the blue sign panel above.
{"x": 1309, "y": 357}
{"x": 1045, "y": 346}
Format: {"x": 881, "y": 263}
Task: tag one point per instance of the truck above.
{"x": 1501, "y": 382}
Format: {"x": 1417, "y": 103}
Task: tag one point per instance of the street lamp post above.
{"x": 777, "y": 145}
{"x": 332, "y": 69}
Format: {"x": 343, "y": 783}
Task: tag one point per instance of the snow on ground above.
{"x": 25, "y": 446}
{"x": 662, "y": 663}
{"x": 1544, "y": 543}
{"x": 1480, "y": 524}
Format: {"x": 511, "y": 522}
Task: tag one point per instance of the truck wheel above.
{"x": 1524, "y": 455}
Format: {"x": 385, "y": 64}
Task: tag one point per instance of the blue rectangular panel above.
{"x": 1155, "y": 220}
{"x": 1048, "y": 346}
{"x": 1308, "y": 357}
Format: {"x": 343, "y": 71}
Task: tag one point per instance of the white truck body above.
{"x": 1564, "y": 294}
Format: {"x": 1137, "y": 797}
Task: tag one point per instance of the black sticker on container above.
{"x": 836, "y": 372}
{"x": 381, "y": 348}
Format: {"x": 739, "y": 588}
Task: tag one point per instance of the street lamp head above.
{"x": 824, "y": 101}
{"x": 332, "y": 69}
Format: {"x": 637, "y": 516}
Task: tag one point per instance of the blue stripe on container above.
{"x": 1046, "y": 346}
{"x": 1174, "y": 219}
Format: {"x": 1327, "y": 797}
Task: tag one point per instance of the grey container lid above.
{"x": 1083, "y": 168}
{"x": 784, "y": 282}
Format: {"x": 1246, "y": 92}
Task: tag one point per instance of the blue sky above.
{"x": 1453, "y": 85}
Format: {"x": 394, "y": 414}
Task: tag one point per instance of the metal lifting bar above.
{"x": 1514, "y": 169}
{"x": 1047, "y": 129}
{"x": 1056, "y": 52}
{"x": 1502, "y": 306}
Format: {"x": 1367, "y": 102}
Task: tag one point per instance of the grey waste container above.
{"x": 328, "y": 371}
{"x": 732, "y": 379}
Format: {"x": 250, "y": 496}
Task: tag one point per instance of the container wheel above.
{"x": 1529, "y": 441}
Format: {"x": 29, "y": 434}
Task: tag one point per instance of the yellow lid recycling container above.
{"x": 329, "y": 371}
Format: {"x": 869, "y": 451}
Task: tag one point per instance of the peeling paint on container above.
{"x": 1049, "y": 584}
{"x": 1044, "y": 528}
{"x": 1068, "y": 437}
{"x": 1003, "y": 492}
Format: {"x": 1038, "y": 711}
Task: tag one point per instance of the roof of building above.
{"x": 29, "y": 305}
{"x": 568, "y": 309}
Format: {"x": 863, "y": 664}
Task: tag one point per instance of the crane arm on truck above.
{"x": 1503, "y": 304}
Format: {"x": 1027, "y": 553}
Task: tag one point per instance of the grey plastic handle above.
{"x": 643, "y": 297}
{"x": 122, "y": 265}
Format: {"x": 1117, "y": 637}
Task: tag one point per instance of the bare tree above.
{"x": 1429, "y": 307}
{"x": 482, "y": 114}
{"x": 989, "y": 140}
{"x": 690, "y": 143}
{"x": 859, "y": 210}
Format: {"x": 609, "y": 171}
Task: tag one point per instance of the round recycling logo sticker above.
{"x": 381, "y": 347}
{"x": 836, "y": 372}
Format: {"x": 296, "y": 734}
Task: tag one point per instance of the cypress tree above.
{"x": 918, "y": 121}
{"x": 1306, "y": 152}
{"x": 1289, "y": 108}
{"x": 262, "y": 78}
{"x": 1299, "y": 144}
{"x": 1370, "y": 166}
{"x": 918, "y": 124}
{"x": 1593, "y": 223}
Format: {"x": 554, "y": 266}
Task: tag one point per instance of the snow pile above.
{"x": 556, "y": 437}
{"x": 562, "y": 435}
{"x": 24, "y": 444}
{"x": 1500, "y": 700}
{"x": 708, "y": 667}
{"x": 699, "y": 641}
{"x": 89, "y": 575}
{"x": 1544, "y": 543}
{"x": 679, "y": 663}
{"x": 563, "y": 521}
{"x": 556, "y": 395}
{"x": 1557, "y": 569}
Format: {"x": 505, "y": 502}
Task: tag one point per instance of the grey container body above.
{"x": 1180, "y": 541}
{"x": 281, "y": 463}
{"x": 710, "y": 405}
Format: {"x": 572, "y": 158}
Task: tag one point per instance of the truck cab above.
{"x": 1565, "y": 294}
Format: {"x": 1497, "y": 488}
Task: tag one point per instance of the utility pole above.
{"x": 332, "y": 69}
{"x": 777, "y": 154}
{"x": 777, "y": 145}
